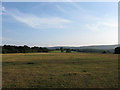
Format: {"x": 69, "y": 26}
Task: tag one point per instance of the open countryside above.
{"x": 64, "y": 44}
{"x": 60, "y": 70}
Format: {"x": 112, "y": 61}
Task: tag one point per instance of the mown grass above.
{"x": 60, "y": 70}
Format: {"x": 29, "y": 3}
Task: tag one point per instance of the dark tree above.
{"x": 104, "y": 52}
{"x": 62, "y": 50}
{"x": 45, "y": 50}
{"x": 22, "y": 49}
{"x": 57, "y": 49}
{"x": 117, "y": 50}
{"x": 68, "y": 50}
{"x": 26, "y": 49}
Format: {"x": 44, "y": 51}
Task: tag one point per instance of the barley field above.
{"x": 59, "y": 70}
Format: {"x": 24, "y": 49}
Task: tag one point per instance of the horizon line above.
{"x": 62, "y": 45}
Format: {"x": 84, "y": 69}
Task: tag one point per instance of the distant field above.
{"x": 58, "y": 51}
{"x": 60, "y": 70}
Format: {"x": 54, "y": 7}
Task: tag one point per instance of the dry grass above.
{"x": 60, "y": 70}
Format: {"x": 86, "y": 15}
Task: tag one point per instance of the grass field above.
{"x": 60, "y": 70}
{"x": 58, "y": 51}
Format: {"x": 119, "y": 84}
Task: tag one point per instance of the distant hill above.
{"x": 94, "y": 48}
{"x": 106, "y": 47}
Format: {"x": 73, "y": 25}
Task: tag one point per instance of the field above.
{"x": 60, "y": 70}
{"x": 58, "y": 51}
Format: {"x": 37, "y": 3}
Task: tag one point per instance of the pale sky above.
{"x": 60, "y": 23}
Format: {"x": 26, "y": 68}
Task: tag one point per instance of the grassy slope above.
{"x": 60, "y": 70}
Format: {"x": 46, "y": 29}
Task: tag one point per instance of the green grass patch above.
{"x": 55, "y": 51}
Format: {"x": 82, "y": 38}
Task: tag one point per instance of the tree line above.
{"x": 22, "y": 49}
{"x": 27, "y": 49}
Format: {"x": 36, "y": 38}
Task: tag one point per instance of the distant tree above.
{"x": 36, "y": 49}
{"x": 45, "y": 50}
{"x": 40, "y": 49}
{"x": 117, "y": 50}
{"x": 22, "y": 49}
{"x": 68, "y": 50}
{"x": 62, "y": 50}
{"x": 26, "y": 49}
{"x": 104, "y": 52}
{"x": 4, "y": 50}
{"x": 57, "y": 49}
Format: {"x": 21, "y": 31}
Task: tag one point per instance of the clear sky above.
{"x": 60, "y": 23}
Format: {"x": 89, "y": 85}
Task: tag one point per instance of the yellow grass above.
{"x": 60, "y": 70}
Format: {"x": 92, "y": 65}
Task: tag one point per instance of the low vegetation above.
{"x": 60, "y": 70}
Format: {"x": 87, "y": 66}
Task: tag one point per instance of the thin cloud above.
{"x": 42, "y": 23}
{"x": 61, "y": 9}
{"x": 38, "y": 22}
{"x": 92, "y": 27}
{"x": 73, "y": 4}
{"x": 103, "y": 25}
{"x": 3, "y": 11}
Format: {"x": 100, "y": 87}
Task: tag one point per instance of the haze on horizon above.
{"x": 59, "y": 23}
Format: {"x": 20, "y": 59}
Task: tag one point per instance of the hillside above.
{"x": 105, "y": 47}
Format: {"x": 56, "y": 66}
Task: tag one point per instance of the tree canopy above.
{"x": 117, "y": 50}
{"x": 22, "y": 49}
